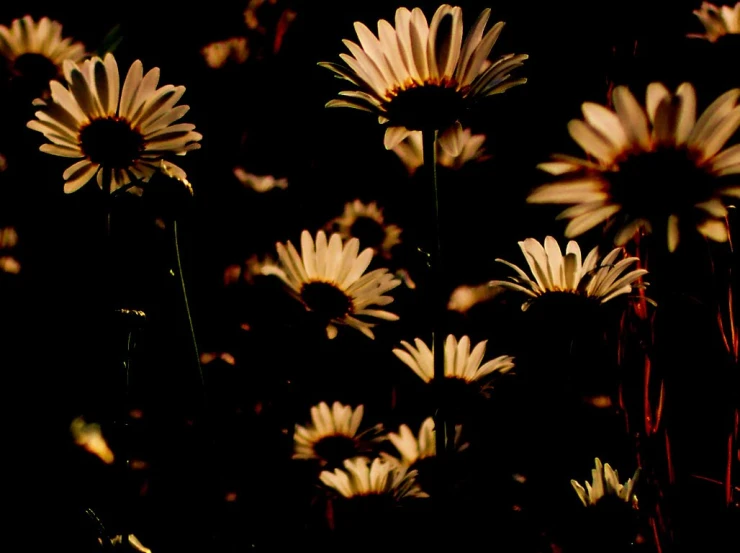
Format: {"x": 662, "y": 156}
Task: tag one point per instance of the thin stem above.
{"x": 187, "y": 308}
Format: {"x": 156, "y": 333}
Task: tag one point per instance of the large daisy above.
{"x": 119, "y": 134}
{"x": 36, "y": 50}
{"x": 606, "y": 486}
{"x": 362, "y": 478}
{"x": 718, "y": 21}
{"x": 652, "y": 167}
{"x": 332, "y": 435}
{"x": 422, "y": 76}
{"x": 328, "y": 277}
{"x": 410, "y": 151}
{"x": 367, "y": 223}
{"x": 555, "y": 273}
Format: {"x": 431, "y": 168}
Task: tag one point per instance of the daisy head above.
{"x": 651, "y": 167}
{"x": 367, "y": 223}
{"x": 332, "y": 435}
{"x": 606, "y": 488}
{"x": 718, "y": 21}
{"x": 377, "y": 482}
{"x": 328, "y": 277}
{"x": 556, "y": 276}
{"x": 35, "y": 50}
{"x": 410, "y": 151}
{"x": 422, "y": 75}
{"x": 119, "y": 134}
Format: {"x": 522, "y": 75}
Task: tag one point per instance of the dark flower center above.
{"x": 426, "y": 107}
{"x": 36, "y": 68}
{"x": 335, "y": 449}
{"x": 427, "y": 473}
{"x": 654, "y": 185}
{"x": 325, "y": 300}
{"x": 111, "y": 142}
{"x": 370, "y": 233}
{"x": 460, "y": 396}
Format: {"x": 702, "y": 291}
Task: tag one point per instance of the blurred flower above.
{"x": 421, "y": 76}
{"x": 410, "y": 151}
{"x": 360, "y": 478}
{"x": 253, "y": 267}
{"x": 36, "y": 50}
{"x": 120, "y": 137}
{"x": 414, "y": 449}
{"x": 3, "y": 163}
{"x": 133, "y": 544}
{"x": 366, "y": 223}
{"x": 718, "y": 21}
{"x": 464, "y": 297}
{"x": 257, "y": 20}
{"x": 606, "y": 485}
{"x": 211, "y": 356}
{"x": 460, "y": 363}
{"x": 332, "y": 435}
{"x": 233, "y": 49}
{"x": 555, "y": 273}
{"x": 8, "y": 241}
{"x": 90, "y": 437}
{"x": 652, "y": 166}
{"x": 329, "y": 280}
{"x": 259, "y": 183}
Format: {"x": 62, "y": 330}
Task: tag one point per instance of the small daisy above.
{"x": 651, "y": 167}
{"x": 118, "y": 134}
{"x": 332, "y": 435}
{"x": 258, "y": 183}
{"x": 382, "y": 479}
{"x": 606, "y": 485}
{"x": 461, "y": 364}
{"x": 36, "y": 50}
{"x": 413, "y": 449}
{"x": 366, "y": 223}
{"x": 555, "y": 273}
{"x": 328, "y": 278}
{"x": 410, "y": 151}
{"x": 218, "y": 53}
{"x": 422, "y": 76}
{"x": 718, "y": 21}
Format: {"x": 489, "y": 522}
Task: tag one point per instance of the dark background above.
{"x": 61, "y": 348}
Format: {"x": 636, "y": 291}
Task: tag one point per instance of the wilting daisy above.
{"x": 89, "y": 436}
{"x": 422, "y": 76}
{"x": 118, "y": 134}
{"x": 651, "y": 167}
{"x": 259, "y": 183}
{"x": 332, "y": 435}
{"x": 718, "y": 21}
{"x": 555, "y": 273}
{"x": 381, "y": 479}
{"x": 36, "y": 50}
{"x": 411, "y": 153}
{"x": 606, "y": 486}
{"x": 328, "y": 278}
{"x": 218, "y": 53}
{"x": 367, "y": 223}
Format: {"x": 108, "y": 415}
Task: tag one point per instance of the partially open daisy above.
{"x": 414, "y": 449}
{"x": 422, "y": 76}
{"x": 328, "y": 278}
{"x": 367, "y": 223}
{"x": 379, "y": 479}
{"x": 651, "y": 167}
{"x": 555, "y": 273}
{"x": 411, "y": 153}
{"x": 332, "y": 436}
{"x": 718, "y": 21}
{"x": 36, "y": 51}
{"x": 119, "y": 134}
{"x": 606, "y": 486}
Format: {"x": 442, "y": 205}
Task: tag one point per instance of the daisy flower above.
{"x": 410, "y": 151}
{"x": 555, "y": 273}
{"x": 651, "y": 166}
{"x": 362, "y": 478}
{"x": 413, "y": 449}
{"x": 718, "y": 21}
{"x": 89, "y": 437}
{"x": 366, "y": 223}
{"x": 36, "y": 50}
{"x": 420, "y": 76}
{"x": 606, "y": 485}
{"x": 461, "y": 364}
{"x": 217, "y": 54}
{"x": 332, "y": 435}
{"x": 118, "y": 134}
{"x": 329, "y": 279}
